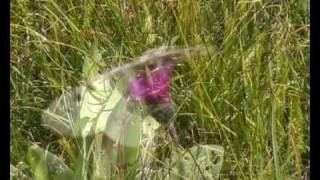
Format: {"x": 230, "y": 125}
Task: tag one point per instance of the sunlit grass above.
{"x": 251, "y": 95}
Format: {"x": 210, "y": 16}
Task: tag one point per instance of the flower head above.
{"x": 151, "y": 89}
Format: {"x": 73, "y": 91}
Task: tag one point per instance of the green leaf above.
{"x": 199, "y": 161}
{"x": 111, "y": 99}
{"x": 38, "y": 163}
{"x": 133, "y": 138}
{"x": 82, "y": 111}
{"x": 46, "y": 165}
{"x": 63, "y": 113}
{"x": 121, "y": 126}
{"x": 93, "y": 62}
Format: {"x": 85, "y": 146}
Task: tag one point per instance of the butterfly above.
{"x": 147, "y": 82}
{"x": 112, "y": 133}
{"x": 150, "y": 84}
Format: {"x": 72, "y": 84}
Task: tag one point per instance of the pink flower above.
{"x": 153, "y": 89}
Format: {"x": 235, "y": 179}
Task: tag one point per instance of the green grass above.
{"x": 250, "y": 96}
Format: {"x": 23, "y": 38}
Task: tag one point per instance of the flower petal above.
{"x": 154, "y": 91}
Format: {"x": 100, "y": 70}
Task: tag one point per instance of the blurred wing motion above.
{"x": 154, "y": 58}
{"x": 98, "y": 107}
{"x": 102, "y": 112}
{"x": 87, "y": 109}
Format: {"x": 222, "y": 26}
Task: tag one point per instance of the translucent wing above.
{"x": 86, "y": 110}
{"x": 104, "y": 113}
{"x": 152, "y": 58}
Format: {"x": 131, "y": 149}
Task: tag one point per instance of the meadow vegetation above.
{"x": 250, "y": 95}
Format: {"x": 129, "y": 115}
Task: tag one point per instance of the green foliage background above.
{"x": 251, "y": 95}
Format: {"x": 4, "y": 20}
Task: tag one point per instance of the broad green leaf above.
{"x": 122, "y": 131}
{"x": 92, "y": 63}
{"x": 133, "y": 137}
{"x": 109, "y": 105}
{"x": 116, "y": 120}
{"x": 203, "y": 161}
{"x": 82, "y": 111}
{"x": 102, "y": 158}
{"x": 46, "y": 165}
{"x": 121, "y": 139}
{"x": 108, "y": 130}
{"x": 38, "y": 163}
{"x": 94, "y": 99}
{"x": 63, "y": 113}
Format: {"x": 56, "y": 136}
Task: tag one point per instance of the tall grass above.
{"x": 251, "y": 95}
